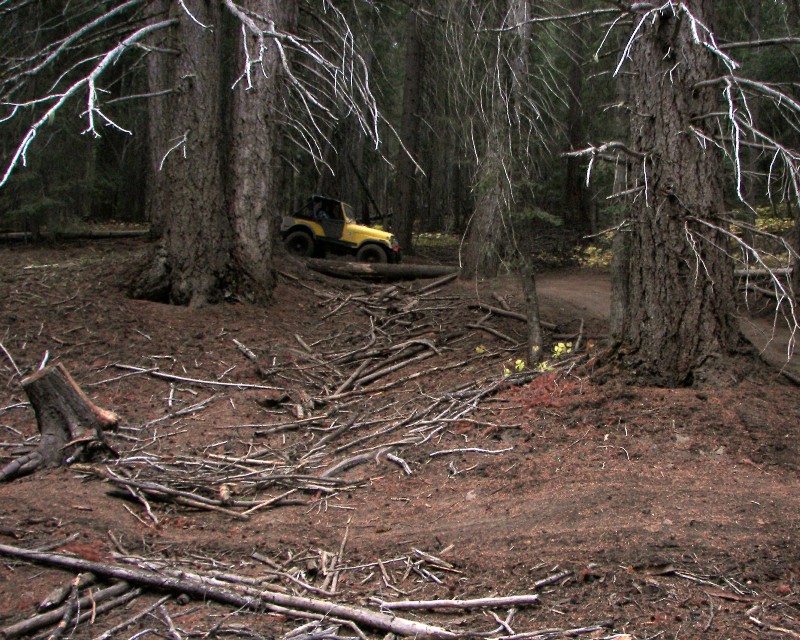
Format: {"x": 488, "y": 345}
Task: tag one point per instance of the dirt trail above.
{"x": 589, "y": 292}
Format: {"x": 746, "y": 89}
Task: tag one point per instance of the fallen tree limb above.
{"x": 54, "y": 616}
{"x": 361, "y": 269}
{"x": 360, "y": 382}
{"x": 491, "y": 452}
{"x": 181, "y": 497}
{"x": 560, "y": 634}
{"x": 770, "y": 293}
{"x": 754, "y": 273}
{"x": 494, "y": 332}
{"x": 251, "y": 601}
{"x": 510, "y": 314}
{"x": 155, "y": 373}
{"x": 111, "y": 633}
{"x": 476, "y": 603}
{"x": 437, "y": 283}
{"x": 27, "y": 236}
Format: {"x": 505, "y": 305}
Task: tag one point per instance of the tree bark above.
{"x": 535, "y": 342}
{"x": 485, "y": 233}
{"x": 211, "y": 158}
{"x": 70, "y": 424}
{"x": 577, "y": 213}
{"x": 405, "y": 211}
{"x": 679, "y": 319}
{"x": 252, "y": 198}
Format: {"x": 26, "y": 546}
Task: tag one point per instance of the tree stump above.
{"x": 71, "y": 425}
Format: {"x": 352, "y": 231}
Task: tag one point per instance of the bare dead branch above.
{"x": 250, "y": 600}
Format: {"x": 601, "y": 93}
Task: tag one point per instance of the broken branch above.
{"x": 251, "y": 601}
{"x": 476, "y": 603}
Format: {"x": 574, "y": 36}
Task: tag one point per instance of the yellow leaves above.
{"x": 562, "y": 348}
{"x": 517, "y": 365}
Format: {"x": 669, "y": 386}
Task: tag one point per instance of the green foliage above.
{"x": 560, "y": 350}
{"x": 764, "y": 220}
{"x": 535, "y": 214}
{"x": 436, "y": 241}
{"x": 768, "y": 222}
{"x": 594, "y": 256}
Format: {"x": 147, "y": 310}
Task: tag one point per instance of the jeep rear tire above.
{"x": 299, "y": 243}
{"x": 372, "y": 253}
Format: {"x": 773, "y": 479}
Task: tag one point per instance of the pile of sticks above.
{"x": 333, "y": 403}
{"x": 348, "y": 399}
{"x": 101, "y": 587}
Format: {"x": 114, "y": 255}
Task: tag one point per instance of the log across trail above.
{"x": 373, "y": 269}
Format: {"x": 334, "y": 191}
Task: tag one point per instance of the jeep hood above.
{"x": 372, "y": 232}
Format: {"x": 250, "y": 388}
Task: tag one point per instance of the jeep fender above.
{"x": 297, "y": 227}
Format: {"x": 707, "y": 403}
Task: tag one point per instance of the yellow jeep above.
{"x": 324, "y": 224}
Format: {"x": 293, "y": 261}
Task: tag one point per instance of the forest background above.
{"x": 668, "y": 130}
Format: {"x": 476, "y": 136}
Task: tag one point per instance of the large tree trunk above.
{"x": 252, "y": 199}
{"x": 160, "y": 123}
{"x": 577, "y": 211}
{"x": 211, "y": 162}
{"x": 405, "y": 211}
{"x": 486, "y": 237}
{"x": 679, "y": 320}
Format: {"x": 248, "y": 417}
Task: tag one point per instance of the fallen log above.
{"x": 109, "y": 234}
{"x": 510, "y": 314}
{"x": 763, "y": 273}
{"x": 71, "y": 425}
{"x": 87, "y": 605}
{"x": 373, "y": 269}
{"x": 250, "y": 599}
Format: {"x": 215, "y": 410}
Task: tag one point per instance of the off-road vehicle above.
{"x": 326, "y": 225}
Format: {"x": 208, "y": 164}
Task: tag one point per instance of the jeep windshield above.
{"x": 348, "y": 213}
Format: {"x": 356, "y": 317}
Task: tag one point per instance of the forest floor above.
{"x": 374, "y": 450}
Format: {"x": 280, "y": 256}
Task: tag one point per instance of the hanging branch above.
{"x": 86, "y": 83}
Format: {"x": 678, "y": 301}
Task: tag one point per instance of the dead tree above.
{"x": 70, "y": 424}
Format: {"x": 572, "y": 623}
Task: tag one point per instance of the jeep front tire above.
{"x": 372, "y": 253}
{"x": 299, "y": 243}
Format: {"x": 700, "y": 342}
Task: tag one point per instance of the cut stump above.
{"x": 70, "y": 424}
